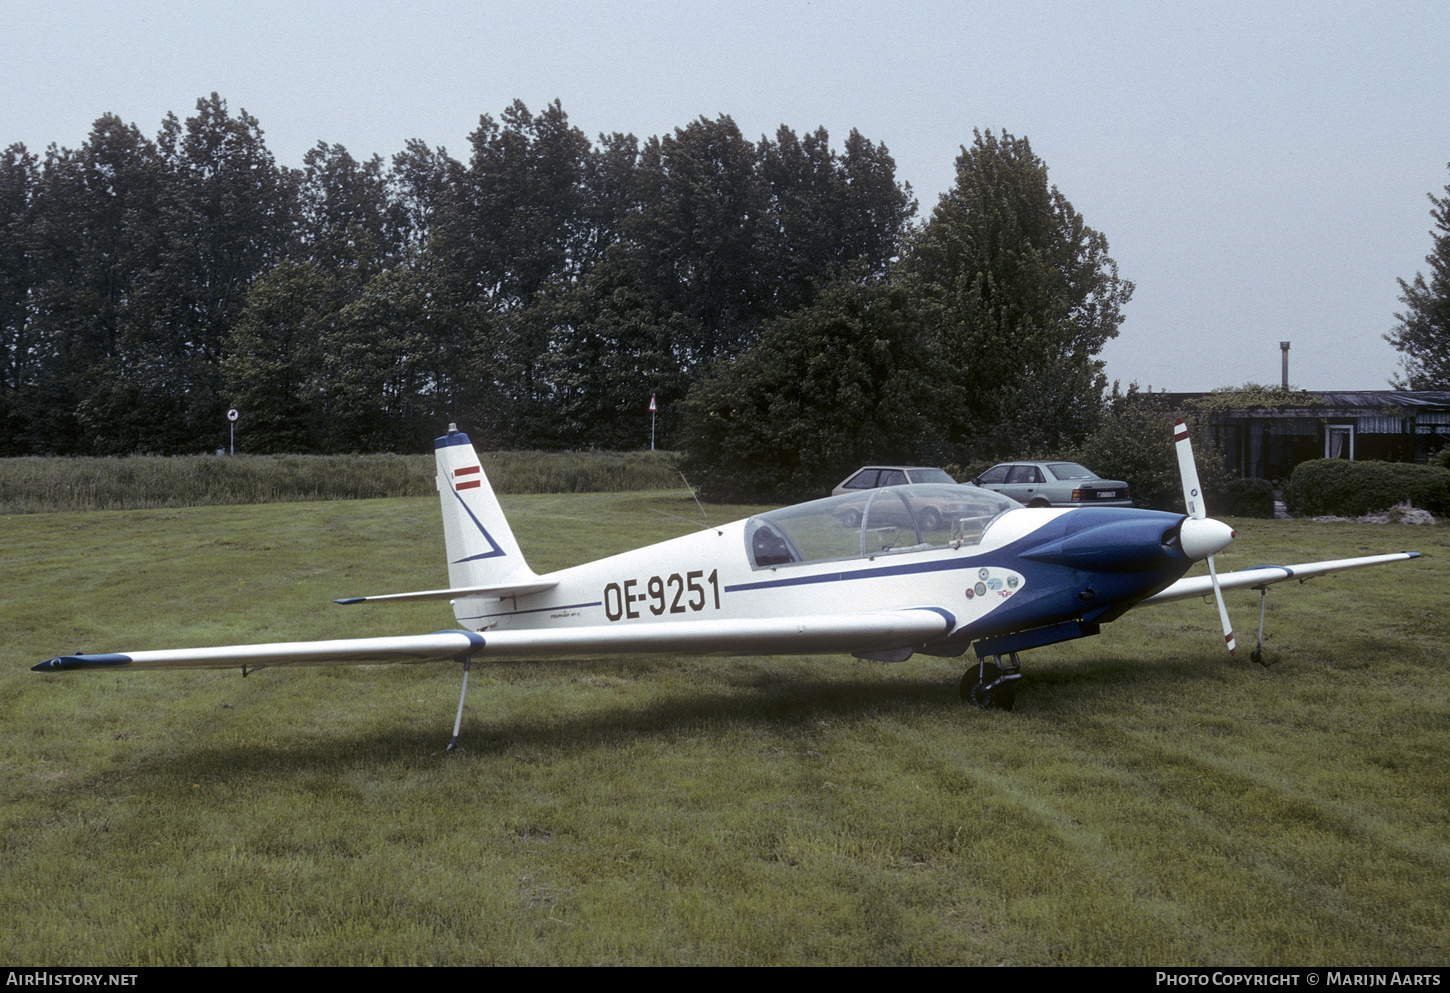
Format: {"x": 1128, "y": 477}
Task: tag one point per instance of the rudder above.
{"x": 481, "y": 546}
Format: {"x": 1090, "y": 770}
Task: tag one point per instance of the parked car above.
{"x": 873, "y": 477}
{"x": 1054, "y": 484}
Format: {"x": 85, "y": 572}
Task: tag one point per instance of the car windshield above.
{"x": 887, "y": 520}
{"x": 930, "y": 476}
{"x": 1070, "y": 470}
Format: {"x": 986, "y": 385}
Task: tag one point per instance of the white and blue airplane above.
{"x": 883, "y": 574}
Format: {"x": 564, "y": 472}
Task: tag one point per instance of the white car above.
{"x": 1054, "y": 484}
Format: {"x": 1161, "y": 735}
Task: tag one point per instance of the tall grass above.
{"x": 45, "y": 485}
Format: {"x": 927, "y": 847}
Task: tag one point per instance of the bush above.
{"x": 1353, "y": 489}
{"x": 1244, "y": 498}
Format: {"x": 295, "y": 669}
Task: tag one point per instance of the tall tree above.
{"x": 1019, "y": 295}
{"x": 225, "y": 216}
{"x": 91, "y": 242}
{"x": 1423, "y": 337}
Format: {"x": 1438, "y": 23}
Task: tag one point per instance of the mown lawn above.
{"x": 1148, "y": 802}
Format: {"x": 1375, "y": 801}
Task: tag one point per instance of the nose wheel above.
{"x": 993, "y": 685}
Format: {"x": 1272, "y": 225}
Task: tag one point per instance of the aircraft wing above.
{"x": 791, "y": 635}
{"x": 1264, "y": 575}
{"x": 435, "y": 647}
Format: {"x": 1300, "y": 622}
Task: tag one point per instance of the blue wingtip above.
{"x": 351, "y": 599}
{"x": 64, "y": 662}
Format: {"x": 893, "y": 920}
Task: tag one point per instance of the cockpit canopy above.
{"x": 880, "y": 521}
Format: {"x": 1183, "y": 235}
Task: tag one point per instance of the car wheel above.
{"x": 930, "y": 519}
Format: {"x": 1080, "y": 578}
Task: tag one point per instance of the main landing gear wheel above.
{"x": 991, "y": 685}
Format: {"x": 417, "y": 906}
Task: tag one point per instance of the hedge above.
{"x": 1353, "y": 489}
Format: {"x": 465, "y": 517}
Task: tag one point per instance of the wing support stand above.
{"x": 1257, "y": 655}
{"x": 458, "y": 720}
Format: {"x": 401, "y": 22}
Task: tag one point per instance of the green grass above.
{"x": 1148, "y": 802}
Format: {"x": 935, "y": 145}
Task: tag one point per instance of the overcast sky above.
{"x": 1260, "y": 169}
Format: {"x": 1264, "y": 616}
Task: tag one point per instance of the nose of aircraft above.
{"x": 1204, "y": 537}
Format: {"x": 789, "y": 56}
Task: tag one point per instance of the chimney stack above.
{"x": 1284, "y": 351}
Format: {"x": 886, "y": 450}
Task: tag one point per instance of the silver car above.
{"x": 872, "y": 476}
{"x": 1054, "y": 484}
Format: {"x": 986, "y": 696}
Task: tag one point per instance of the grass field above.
{"x": 1148, "y": 802}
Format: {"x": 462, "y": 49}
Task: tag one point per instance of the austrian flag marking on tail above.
{"x": 469, "y": 484}
{"x": 1180, "y": 431}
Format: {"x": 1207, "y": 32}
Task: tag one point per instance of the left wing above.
{"x": 871, "y": 631}
{"x": 436, "y": 647}
{"x": 1265, "y": 575}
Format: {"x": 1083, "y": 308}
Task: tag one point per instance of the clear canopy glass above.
{"x": 888, "y": 520}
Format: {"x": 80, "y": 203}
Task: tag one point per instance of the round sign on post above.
{"x": 232, "y": 416}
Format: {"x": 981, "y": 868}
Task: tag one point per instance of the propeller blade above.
{"x": 1188, "y": 471}
{"x": 1228, "y": 630}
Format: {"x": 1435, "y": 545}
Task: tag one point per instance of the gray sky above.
{"x": 1260, "y": 169}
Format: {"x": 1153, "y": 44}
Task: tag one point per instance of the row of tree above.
{"x": 775, "y": 296}
{"x": 538, "y": 292}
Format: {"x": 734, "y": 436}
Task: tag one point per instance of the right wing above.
{"x": 1265, "y": 575}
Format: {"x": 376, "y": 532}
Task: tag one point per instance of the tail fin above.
{"x": 481, "y": 547}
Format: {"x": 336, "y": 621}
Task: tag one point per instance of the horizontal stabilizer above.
{"x": 497, "y": 592}
{"x": 1264, "y": 575}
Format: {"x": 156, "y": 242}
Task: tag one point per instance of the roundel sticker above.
{"x": 981, "y": 589}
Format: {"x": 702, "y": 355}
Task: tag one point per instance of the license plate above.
{"x": 1107, "y": 494}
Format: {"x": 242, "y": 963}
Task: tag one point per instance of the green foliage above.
{"x": 536, "y": 295}
{"x": 1018, "y": 296}
{"x": 1423, "y": 337}
{"x": 1251, "y": 396}
{"x": 834, "y": 385}
{"x": 1243, "y": 498}
{"x": 42, "y": 485}
{"x": 1352, "y": 489}
{"x": 1134, "y": 442}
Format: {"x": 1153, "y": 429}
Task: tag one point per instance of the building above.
{"x": 1387, "y": 425}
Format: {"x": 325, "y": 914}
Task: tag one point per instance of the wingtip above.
{"x": 63, "y": 662}
{"x": 351, "y": 599}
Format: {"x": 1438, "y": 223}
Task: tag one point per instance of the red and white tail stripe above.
{"x": 467, "y": 484}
